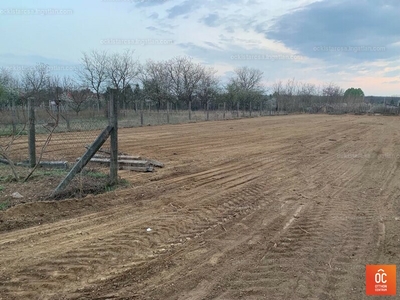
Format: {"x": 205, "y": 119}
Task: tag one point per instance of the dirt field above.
{"x": 289, "y": 207}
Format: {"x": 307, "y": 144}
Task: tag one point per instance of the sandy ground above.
{"x": 289, "y": 207}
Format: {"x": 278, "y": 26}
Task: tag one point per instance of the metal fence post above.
{"x": 113, "y": 137}
{"x": 31, "y": 133}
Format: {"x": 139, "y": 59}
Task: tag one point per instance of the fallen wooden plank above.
{"x": 129, "y": 157}
{"x": 122, "y": 157}
{"x": 47, "y": 164}
{"x": 155, "y": 163}
{"x": 134, "y": 163}
{"x": 137, "y": 169}
{"x": 55, "y": 164}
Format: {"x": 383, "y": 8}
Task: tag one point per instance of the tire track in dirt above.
{"x": 85, "y": 251}
{"x": 287, "y": 251}
{"x": 339, "y": 230}
{"x": 233, "y": 204}
{"x": 220, "y": 204}
{"x": 291, "y": 251}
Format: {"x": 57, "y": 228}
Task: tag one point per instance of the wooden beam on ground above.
{"x": 135, "y": 163}
{"x": 47, "y": 164}
{"x": 100, "y": 140}
{"x": 54, "y": 164}
{"x": 155, "y": 163}
{"x": 137, "y": 169}
{"x": 131, "y": 157}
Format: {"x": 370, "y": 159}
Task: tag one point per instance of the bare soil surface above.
{"x": 289, "y": 207}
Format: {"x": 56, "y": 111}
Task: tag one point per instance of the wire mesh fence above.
{"x": 72, "y": 132}
{"x": 68, "y": 134}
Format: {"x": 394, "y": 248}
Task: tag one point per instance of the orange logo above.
{"x": 380, "y": 279}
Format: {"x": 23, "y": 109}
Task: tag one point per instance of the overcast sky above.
{"x": 350, "y": 43}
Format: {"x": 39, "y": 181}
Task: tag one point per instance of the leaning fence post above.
{"x": 113, "y": 138}
{"x": 31, "y": 133}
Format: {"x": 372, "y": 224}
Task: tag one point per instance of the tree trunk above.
{"x": 190, "y": 110}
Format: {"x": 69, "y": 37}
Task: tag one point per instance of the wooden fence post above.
{"x": 208, "y": 113}
{"x": 224, "y": 110}
{"x": 31, "y": 133}
{"x": 190, "y": 110}
{"x": 14, "y": 117}
{"x": 141, "y": 113}
{"x": 167, "y": 112}
{"x": 113, "y": 137}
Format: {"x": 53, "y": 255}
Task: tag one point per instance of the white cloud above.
{"x": 214, "y": 31}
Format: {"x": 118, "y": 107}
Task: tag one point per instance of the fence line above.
{"x": 87, "y": 125}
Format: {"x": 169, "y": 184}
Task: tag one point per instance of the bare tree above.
{"x": 289, "y": 95}
{"x": 55, "y": 90}
{"x": 121, "y": 70}
{"x": 208, "y": 86}
{"x": 34, "y": 80}
{"x": 333, "y": 93}
{"x": 248, "y": 79}
{"x": 247, "y": 85}
{"x": 156, "y": 82}
{"x": 75, "y": 95}
{"x": 306, "y": 93}
{"x": 93, "y": 72}
{"x": 184, "y": 75}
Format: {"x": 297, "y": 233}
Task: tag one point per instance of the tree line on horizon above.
{"x": 178, "y": 82}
